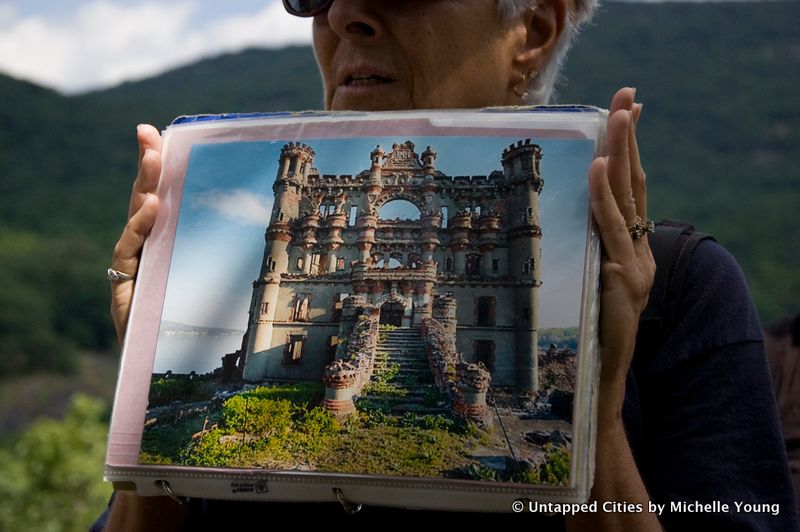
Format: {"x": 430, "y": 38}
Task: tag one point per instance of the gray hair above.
{"x": 539, "y": 88}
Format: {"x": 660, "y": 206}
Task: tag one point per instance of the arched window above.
{"x": 394, "y": 262}
{"x": 399, "y": 208}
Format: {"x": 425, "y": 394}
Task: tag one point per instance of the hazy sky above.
{"x": 79, "y": 45}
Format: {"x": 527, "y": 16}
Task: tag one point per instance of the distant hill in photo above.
{"x": 719, "y": 136}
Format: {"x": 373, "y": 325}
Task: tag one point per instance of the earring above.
{"x": 525, "y": 75}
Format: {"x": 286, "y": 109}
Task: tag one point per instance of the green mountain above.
{"x": 720, "y": 121}
{"x": 720, "y": 125}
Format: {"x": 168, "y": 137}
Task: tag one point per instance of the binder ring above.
{"x": 165, "y": 487}
{"x": 350, "y": 507}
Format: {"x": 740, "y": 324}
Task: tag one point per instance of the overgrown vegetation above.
{"x": 275, "y": 427}
{"x": 164, "y": 391}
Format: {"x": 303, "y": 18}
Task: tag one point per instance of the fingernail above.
{"x": 634, "y": 93}
{"x": 637, "y": 112}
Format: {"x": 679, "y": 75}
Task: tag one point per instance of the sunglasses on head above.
{"x": 306, "y": 8}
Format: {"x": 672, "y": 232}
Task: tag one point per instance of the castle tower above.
{"x": 367, "y": 220}
{"x": 295, "y": 163}
{"x": 521, "y": 172}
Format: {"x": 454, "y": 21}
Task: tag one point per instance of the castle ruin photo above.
{"x": 437, "y": 274}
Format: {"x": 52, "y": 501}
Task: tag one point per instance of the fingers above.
{"x": 148, "y": 137}
{"x": 129, "y": 246}
{"x": 623, "y": 100}
{"x": 624, "y": 171}
{"x": 610, "y": 221}
{"x": 142, "y": 214}
{"x": 149, "y": 166}
{"x": 619, "y": 162}
{"x": 638, "y": 177}
{"x": 126, "y": 259}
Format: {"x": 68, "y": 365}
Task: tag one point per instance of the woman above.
{"x": 391, "y": 54}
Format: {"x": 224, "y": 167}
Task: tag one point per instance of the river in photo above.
{"x": 201, "y": 353}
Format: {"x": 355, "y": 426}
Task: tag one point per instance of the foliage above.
{"x": 53, "y": 302}
{"x": 476, "y": 472}
{"x": 313, "y": 431}
{"x": 167, "y": 390}
{"x": 52, "y": 476}
{"x": 389, "y": 449}
{"x": 438, "y": 422}
{"x": 720, "y": 124}
{"x": 258, "y": 427}
{"x": 433, "y": 396}
{"x": 380, "y": 388}
{"x": 297, "y": 393}
{"x": 262, "y": 417}
{"x": 209, "y": 450}
{"x": 375, "y": 413}
{"x": 555, "y": 469}
{"x": 164, "y": 391}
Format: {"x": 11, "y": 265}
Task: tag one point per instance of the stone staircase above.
{"x": 401, "y": 364}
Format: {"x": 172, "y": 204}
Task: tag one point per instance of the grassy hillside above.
{"x": 719, "y": 130}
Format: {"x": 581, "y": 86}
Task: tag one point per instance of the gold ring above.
{"x": 641, "y": 227}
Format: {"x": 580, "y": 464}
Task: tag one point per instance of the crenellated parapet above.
{"x": 521, "y": 164}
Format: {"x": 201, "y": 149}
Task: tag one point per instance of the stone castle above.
{"x": 465, "y": 264}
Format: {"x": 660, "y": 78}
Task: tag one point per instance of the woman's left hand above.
{"x": 618, "y": 196}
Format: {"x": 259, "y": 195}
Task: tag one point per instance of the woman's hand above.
{"x": 141, "y": 217}
{"x": 618, "y": 195}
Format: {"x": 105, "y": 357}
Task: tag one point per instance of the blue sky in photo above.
{"x": 228, "y": 198}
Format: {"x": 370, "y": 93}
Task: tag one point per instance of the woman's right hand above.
{"x": 141, "y": 217}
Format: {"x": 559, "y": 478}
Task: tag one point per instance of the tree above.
{"x": 52, "y": 477}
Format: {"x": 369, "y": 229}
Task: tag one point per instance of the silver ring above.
{"x": 116, "y": 276}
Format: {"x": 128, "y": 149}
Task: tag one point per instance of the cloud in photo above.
{"x": 101, "y": 43}
{"x": 240, "y": 206}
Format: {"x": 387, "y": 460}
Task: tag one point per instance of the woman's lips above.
{"x": 367, "y": 86}
{"x": 359, "y": 80}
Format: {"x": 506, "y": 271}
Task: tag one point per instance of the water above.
{"x": 184, "y": 353}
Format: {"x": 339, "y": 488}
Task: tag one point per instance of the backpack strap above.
{"x": 672, "y": 246}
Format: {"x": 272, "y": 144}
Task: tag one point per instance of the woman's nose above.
{"x": 355, "y": 19}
